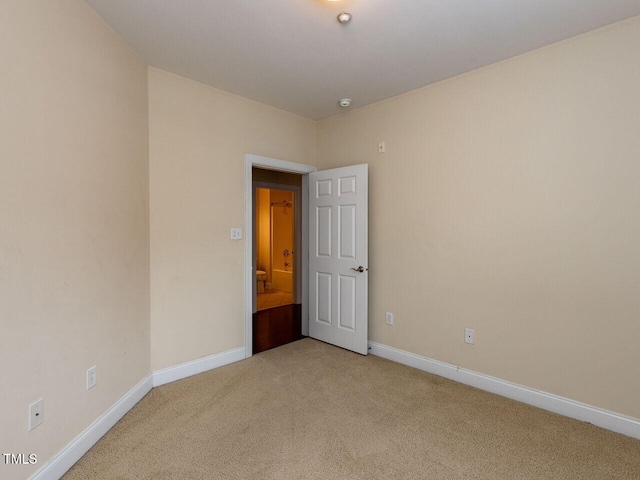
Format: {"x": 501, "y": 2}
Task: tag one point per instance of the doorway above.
{"x": 267, "y": 165}
{"x": 331, "y": 284}
{"x": 277, "y": 228}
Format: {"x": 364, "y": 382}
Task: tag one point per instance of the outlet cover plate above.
{"x": 388, "y": 317}
{"x": 469, "y": 335}
{"x": 92, "y": 377}
{"x": 36, "y": 414}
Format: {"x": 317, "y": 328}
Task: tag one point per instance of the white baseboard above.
{"x": 68, "y": 456}
{"x": 547, "y": 401}
{"x": 184, "y": 370}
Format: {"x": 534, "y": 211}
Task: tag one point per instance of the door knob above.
{"x": 360, "y": 269}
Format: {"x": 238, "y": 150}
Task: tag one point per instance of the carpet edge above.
{"x": 547, "y": 401}
{"x": 69, "y": 455}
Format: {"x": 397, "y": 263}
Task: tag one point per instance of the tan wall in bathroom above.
{"x": 507, "y": 201}
{"x": 263, "y": 246}
{"x": 283, "y": 229}
{"x": 281, "y": 238}
{"x": 263, "y": 231}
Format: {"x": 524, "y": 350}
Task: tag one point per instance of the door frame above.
{"x": 302, "y": 169}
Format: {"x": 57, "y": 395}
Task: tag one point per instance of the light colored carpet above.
{"x": 308, "y": 410}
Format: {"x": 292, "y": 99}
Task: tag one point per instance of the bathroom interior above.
{"x": 275, "y": 241}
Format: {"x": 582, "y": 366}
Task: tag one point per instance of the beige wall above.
{"x": 198, "y": 140}
{"x": 507, "y": 201}
{"x": 74, "y": 244}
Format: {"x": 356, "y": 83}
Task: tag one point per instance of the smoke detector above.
{"x": 344, "y": 18}
{"x": 345, "y": 102}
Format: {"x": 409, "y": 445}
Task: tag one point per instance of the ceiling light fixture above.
{"x": 344, "y": 18}
{"x": 345, "y": 102}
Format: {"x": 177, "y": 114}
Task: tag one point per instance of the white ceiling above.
{"x": 294, "y": 55}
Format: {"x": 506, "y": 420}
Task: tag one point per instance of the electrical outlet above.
{"x": 92, "y": 377}
{"x": 388, "y": 318}
{"x": 36, "y": 414}
{"x": 236, "y": 234}
{"x": 469, "y": 335}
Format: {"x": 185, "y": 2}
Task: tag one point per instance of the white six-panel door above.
{"x": 338, "y": 252}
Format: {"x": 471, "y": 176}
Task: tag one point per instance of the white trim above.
{"x": 304, "y": 254}
{"x": 547, "y": 401}
{"x": 69, "y": 455}
{"x": 249, "y": 283}
{"x": 57, "y": 466}
{"x": 187, "y": 369}
{"x": 280, "y": 165}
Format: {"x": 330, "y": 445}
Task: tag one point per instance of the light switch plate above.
{"x": 236, "y": 234}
